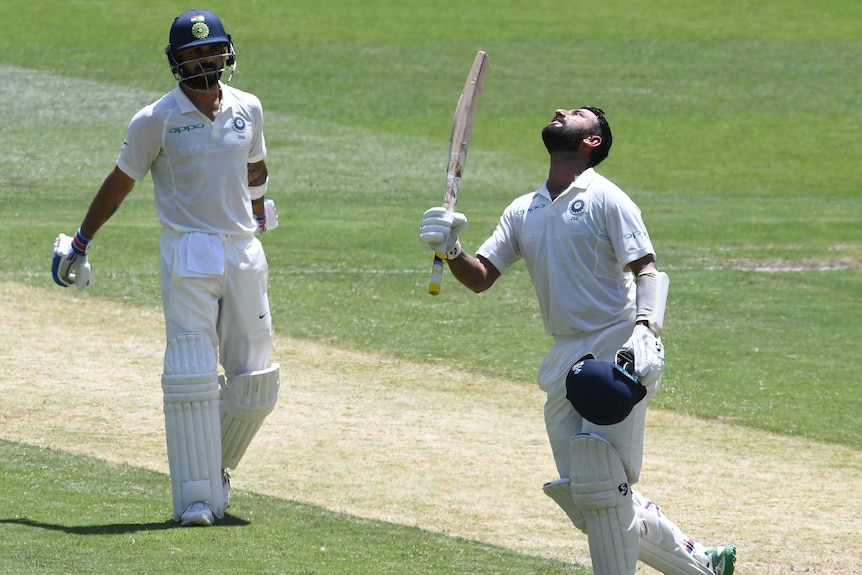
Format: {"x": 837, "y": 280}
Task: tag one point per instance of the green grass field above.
{"x": 736, "y": 130}
{"x": 61, "y": 526}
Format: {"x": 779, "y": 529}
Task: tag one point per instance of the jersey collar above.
{"x": 581, "y": 183}
{"x": 186, "y": 105}
{"x": 583, "y": 180}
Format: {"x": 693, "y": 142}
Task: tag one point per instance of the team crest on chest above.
{"x": 577, "y": 207}
{"x": 238, "y": 124}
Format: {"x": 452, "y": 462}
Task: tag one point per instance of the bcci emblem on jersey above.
{"x": 238, "y": 124}
{"x": 577, "y": 207}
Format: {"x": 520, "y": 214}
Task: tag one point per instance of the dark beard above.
{"x": 205, "y": 83}
{"x": 559, "y": 138}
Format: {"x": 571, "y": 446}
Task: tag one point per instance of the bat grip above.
{"x": 436, "y": 274}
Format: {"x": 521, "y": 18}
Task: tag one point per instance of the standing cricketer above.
{"x": 203, "y": 144}
{"x": 602, "y": 299}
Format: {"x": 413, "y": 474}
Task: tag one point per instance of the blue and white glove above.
{"x": 647, "y": 352}
{"x": 440, "y": 229}
{"x": 69, "y": 265}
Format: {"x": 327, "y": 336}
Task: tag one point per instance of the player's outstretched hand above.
{"x": 440, "y": 229}
{"x": 69, "y": 265}
{"x": 648, "y": 353}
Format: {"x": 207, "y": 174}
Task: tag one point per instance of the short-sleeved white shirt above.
{"x": 576, "y": 250}
{"x": 199, "y": 167}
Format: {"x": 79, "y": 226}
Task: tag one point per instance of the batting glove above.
{"x": 440, "y": 229}
{"x": 69, "y": 265}
{"x": 647, "y": 352}
{"x": 269, "y": 220}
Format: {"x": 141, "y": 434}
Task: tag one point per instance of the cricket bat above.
{"x": 462, "y": 129}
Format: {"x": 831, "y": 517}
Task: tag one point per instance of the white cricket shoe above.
{"x": 197, "y": 515}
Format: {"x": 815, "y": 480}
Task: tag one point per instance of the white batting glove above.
{"x": 69, "y": 264}
{"x": 269, "y": 220}
{"x": 440, "y": 229}
{"x": 648, "y": 353}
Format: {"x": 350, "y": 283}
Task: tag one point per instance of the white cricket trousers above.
{"x": 217, "y": 286}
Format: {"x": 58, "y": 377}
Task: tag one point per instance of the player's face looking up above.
{"x": 568, "y": 129}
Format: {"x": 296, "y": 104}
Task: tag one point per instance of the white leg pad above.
{"x": 600, "y": 489}
{"x": 191, "y": 400}
{"x": 246, "y": 401}
{"x": 664, "y": 546}
{"x": 561, "y": 492}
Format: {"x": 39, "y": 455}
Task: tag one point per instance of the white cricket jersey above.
{"x": 576, "y": 250}
{"x": 199, "y": 167}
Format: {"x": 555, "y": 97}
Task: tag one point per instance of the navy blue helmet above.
{"x": 197, "y": 28}
{"x": 603, "y": 392}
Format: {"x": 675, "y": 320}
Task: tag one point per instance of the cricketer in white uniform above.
{"x": 587, "y": 250}
{"x": 204, "y": 146}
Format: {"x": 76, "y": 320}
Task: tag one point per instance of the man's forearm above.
{"x": 478, "y": 274}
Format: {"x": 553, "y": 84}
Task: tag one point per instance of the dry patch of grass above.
{"x": 419, "y": 445}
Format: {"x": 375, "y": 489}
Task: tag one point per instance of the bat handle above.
{"x": 436, "y": 274}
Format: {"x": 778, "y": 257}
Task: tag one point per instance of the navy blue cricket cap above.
{"x": 601, "y": 391}
{"x": 196, "y": 28}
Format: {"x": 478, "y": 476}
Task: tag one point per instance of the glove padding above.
{"x": 647, "y": 352}
{"x": 69, "y": 266}
{"x": 269, "y": 220}
{"x": 440, "y": 229}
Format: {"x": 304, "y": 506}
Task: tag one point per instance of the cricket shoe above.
{"x": 197, "y": 515}
{"x": 722, "y": 559}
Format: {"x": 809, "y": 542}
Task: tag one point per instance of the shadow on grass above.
{"x": 116, "y": 528}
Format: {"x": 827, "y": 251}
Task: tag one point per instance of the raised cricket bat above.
{"x": 462, "y": 129}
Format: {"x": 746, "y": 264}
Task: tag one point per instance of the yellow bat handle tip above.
{"x": 436, "y": 274}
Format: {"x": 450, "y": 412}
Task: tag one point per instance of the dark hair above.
{"x": 603, "y": 130}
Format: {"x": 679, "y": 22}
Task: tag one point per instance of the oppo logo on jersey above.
{"x": 531, "y": 209}
{"x": 187, "y": 128}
